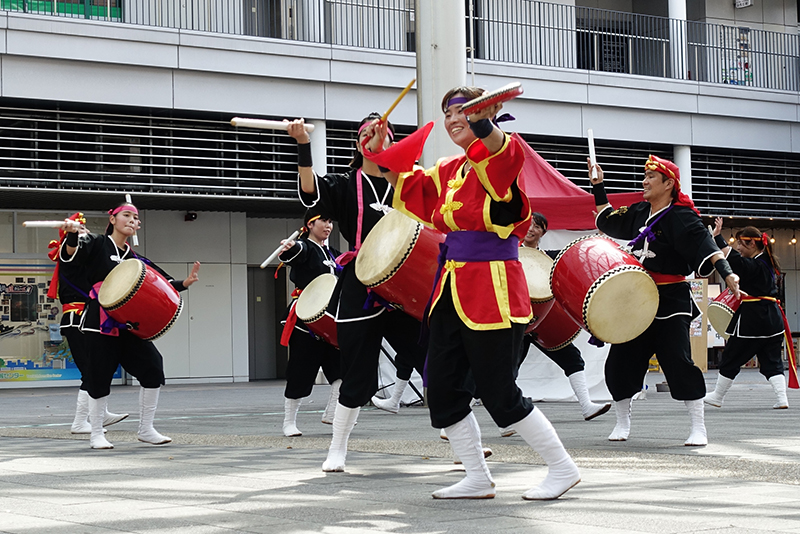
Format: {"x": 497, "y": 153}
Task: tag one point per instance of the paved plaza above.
{"x": 230, "y": 470}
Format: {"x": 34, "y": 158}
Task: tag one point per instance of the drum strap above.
{"x": 662, "y": 279}
{"x": 787, "y": 330}
{"x": 350, "y": 255}
{"x": 108, "y": 325}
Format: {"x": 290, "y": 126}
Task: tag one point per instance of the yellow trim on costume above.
{"x": 399, "y": 204}
{"x": 451, "y": 207}
{"x": 447, "y": 214}
{"x": 480, "y": 171}
{"x": 455, "y": 183}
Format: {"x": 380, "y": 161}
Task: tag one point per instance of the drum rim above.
{"x": 135, "y": 289}
{"x": 724, "y": 332}
{"x": 550, "y": 280}
{"x": 318, "y": 315}
{"x": 404, "y": 257}
{"x": 590, "y": 292}
{"x": 568, "y": 341}
{"x": 723, "y": 306}
{"x": 171, "y": 321}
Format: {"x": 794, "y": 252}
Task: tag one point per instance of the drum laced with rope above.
{"x": 312, "y": 307}
{"x": 135, "y": 294}
{"x": 721, "y": 310}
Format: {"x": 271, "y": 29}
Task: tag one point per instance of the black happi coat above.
{"x": 681, "y": 246}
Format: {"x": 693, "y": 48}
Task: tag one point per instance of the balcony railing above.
{"x": 515, "y": 31}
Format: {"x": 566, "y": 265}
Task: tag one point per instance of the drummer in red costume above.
{"x": 480, "y": 305}
{"x": 109, "y": 347}
{"x": 670, "y": 240}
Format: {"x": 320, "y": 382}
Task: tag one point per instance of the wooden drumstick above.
{"x": 262, "y": 124}
{"x": 278, "y": 250}
{"x": 43, "y": 224}
{"x": 135, "y": 237}
{"x": 592, "y": 155}
{"x": 397, "y": 100}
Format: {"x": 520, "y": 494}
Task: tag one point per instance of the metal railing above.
{"x": 516, "y": 31}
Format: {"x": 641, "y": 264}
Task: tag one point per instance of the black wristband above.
{"x": 723, "y": 268}
{"x": 720, "y": 241}
{"x": 482, "y": 129}
{"x": 304, "y": 155}
{"x": 72, "y": 239}
{"x": 599, "y": 192}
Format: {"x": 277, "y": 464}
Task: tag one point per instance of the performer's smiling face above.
{"x": 457, "y": 126}
{"x": 320, "y": 229}
{"x": 655, "y": 187}
{"x": 535, "y": 233}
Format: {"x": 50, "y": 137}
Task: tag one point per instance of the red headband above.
{"x": 124, "y": 207}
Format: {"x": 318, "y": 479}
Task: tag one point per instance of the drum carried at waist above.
{"x": 720, "y": 311}
{"x": 398, "y": 260}
{"x": 604, "y": 289}
{"x": 537, "y": 266}
{"x": 136, "y": 294}
{"x": 312, "y": 307}
{"x": 556, "y": 330}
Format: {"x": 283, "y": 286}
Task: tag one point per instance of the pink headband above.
{"x": 361, "y": 129}
{"x": 124, "y": 207}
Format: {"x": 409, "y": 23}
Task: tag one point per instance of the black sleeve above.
{"x": 690, "y": 237}
{"x": 618, "y": 223}
{"x": 330, "y": 194}
{"x": 297, "y": 254}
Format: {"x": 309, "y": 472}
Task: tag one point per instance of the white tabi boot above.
{"x": 507, "y": 432}
{"x": 562, "y": 473}
{"x": 148, "y": 402}
{"x": 97, "y": 409}
{"x": 465, "y": 438}
{"x": 290, "y": 409}
{"x": 697, "y": 436}
{"x": 80, "y": 425}
{"x": 333, "y": 400}
{"x": 623, "y": 427}
{"x": 113, "y": 418}
{"x": 589, "y": 409}
{"x": 715, "y": 397}
{"x": 392, "y": 404}
{"x": 778, "y": 383}
{"x": 343, "y": 422}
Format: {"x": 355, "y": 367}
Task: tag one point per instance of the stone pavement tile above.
{"x": 18, "y": 523}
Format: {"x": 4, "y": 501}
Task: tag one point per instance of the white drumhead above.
{"x": 537, "y": 266}
{"x": 314, "y": 299}
{"x": 622, "y": 305}
{"x": 120, "y": 282}
{"x": 386, "y": 247}
{"x": 719, "y": 315}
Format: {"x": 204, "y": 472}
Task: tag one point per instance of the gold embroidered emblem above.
{"x": 622, "y": 210}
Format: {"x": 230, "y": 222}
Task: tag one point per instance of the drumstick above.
{"x": 135, "y": 237}
{"x": 397, "y": 100}
{"x": 43, "y": 224}
{"x": 262, "y": 124}
{"x": 592, "y": 155}
{"x": 278, "y": 250}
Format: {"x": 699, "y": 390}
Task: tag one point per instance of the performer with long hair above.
{"x": 670, "y": 241}
{"x": 357, "y": 200}
{"x": 757, "y": 327}
{"x": 480, "y": 304}
{"x": 308, "y": 258}
{"x": 110, "y": 345}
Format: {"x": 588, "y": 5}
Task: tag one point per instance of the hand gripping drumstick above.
{"x": 265, "y": 124}
{"x": 504, "y": 94}
{"x": 278, "y": 250}
{"x": 592, "y": 155}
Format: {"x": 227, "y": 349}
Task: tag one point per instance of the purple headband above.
{"x": 361, "y": 129}
{"x": 457, "y": 100}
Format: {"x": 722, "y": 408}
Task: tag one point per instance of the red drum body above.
{"x": 720, "y": 311}
{"x": 604, "y": 289}
{"x": 398, "y": 260}
{"x": 537, "y": 266}
{"x": 137, "y": 294}
{"x": 556, "y": 330}
{"x": 312, "y": 307}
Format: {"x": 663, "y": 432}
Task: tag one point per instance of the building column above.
{"x": 319, "y": 147}
{"x": 677, "y": 39}
{"x": 683, "y": 159}
{"x": 441, "y": 65}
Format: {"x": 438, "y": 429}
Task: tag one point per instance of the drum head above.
{"x": 719, "y": 315}
{"x": 122, "y": 282}
{"x": 386, "y": 248}
{"x": 621, "y": 305}
{"x": 313, "y": 301}
{"x": 537, "y": 266}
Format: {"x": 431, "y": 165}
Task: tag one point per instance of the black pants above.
{"x": 138, "y": 357}
{"x": 567, "y": 358}
{"x": 77, "y": 347}
{"x": 360, "y": 345}
{"x": 490, "y": 355}
{"x": 668, "y": 339}
{"x": 738, "y": 351}
{"x": 306, "y": 356}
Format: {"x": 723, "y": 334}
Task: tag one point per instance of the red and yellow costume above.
{"x": 475, "y": 192}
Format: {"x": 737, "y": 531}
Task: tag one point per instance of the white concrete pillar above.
{"x": 319, "y": 147}
{"x": 441, "y": 65}
{"x": 677, "y": 39}
{"x": 683, "y": 159}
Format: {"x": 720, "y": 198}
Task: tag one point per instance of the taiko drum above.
{"x": 720, "y": 311}
{"x": 537, "y": 266}
{"x": 312, "y": 307}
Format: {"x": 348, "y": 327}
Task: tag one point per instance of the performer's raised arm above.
{"x": 297, "y": 131}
